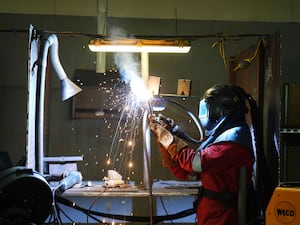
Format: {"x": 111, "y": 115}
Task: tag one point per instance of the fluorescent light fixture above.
{"x": 140, "y": 45}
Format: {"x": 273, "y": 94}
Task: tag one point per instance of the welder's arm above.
{"x": 167, "y": 161}
{"x": 176, "y": 146}
{"x": 170, "y": 148}
{"x": 174, "y": 166}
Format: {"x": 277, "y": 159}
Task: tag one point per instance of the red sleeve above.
{"x": 180, "y": 173}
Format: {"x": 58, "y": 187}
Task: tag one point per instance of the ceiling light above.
{"x": 140, "y": 45}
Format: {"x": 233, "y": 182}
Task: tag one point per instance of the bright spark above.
{"x": 130, "y": 143}
{"x": 108, "y": 162}
{"x": 130, "y": 98}
{"x": 139, "y": 89}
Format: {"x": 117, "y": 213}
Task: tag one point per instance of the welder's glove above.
{"x": 176, "y": 146}
{"x": 163, "y": 135}
{"x": 171, "y": 143}
{"x": 166, "y": 158}
{"x": 167, "y": 123}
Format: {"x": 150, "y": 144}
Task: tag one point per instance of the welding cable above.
{"x": 72, "y": 221}
{"x": 183, "y": 135}
{"x": 164, "y": 207}
{"x": 93, "y": 203}
{"x": 245, "y": 62}
{"x": 55, "y": 209}
{"x": 71, "y": 204}
{"x": 221, "y": 44}
{"x": 156, "y": 219}
{"x": 261, "y": 41}
{"x": 176, "y": 131}
{"x": 59, "y": 210}
{"x": 222, "y": 52}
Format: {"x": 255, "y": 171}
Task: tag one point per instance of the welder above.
{"x": 226, "y": 148}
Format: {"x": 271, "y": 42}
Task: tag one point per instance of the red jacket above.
{"x": 220, "y": 164}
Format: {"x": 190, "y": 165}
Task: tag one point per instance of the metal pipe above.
{"x": 32, "y": 96}
{"x": 40, "y": 126}
{"x": 147, "y": 161}
{"x": 101, "y": 29}
{"x": 147, "y": 150}
{"x": 50, "y": 43}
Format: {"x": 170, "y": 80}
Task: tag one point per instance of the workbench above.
{"x": 167, "y": 197}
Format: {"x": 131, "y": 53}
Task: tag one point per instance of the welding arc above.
{"x": 157, "y": 219}
{"x": 182, "y": 134}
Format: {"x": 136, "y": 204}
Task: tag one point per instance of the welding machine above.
{"x": 25, "y": 197}
{"x": 284, "y": 206}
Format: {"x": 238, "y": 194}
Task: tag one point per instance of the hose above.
{"x": 184, "y": 135}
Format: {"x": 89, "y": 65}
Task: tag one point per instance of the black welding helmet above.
{"x": 219, "y": 102}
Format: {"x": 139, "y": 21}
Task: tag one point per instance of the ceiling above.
{"x": 219, "y": 10}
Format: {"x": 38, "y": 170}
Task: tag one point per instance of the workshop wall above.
{"x": 90, "y": 137}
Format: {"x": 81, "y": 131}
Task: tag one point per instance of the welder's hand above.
{"x": 163, "y": 135}
{"x": 167, "y": 123}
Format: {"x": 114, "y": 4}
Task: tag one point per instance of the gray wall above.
{"x": 67, "y": 136}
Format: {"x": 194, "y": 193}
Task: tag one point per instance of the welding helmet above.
{"x": 219, "y": 102}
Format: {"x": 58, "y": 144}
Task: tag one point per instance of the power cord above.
{"x": 145, "y": 219}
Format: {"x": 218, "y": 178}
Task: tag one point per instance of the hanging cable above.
{"x": 221, "y": 43}
{"x": 245, "y": 62}
{"x": 156, "y": 219}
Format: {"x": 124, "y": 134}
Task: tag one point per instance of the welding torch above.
{"x": 174, "y": 128}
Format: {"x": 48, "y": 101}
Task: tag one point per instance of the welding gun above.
{"x": 171, "y": 126}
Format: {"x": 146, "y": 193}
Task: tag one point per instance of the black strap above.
{"x": 229, "y": 200}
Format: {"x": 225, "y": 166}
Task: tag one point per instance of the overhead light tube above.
{"x": 140, "y": 45}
